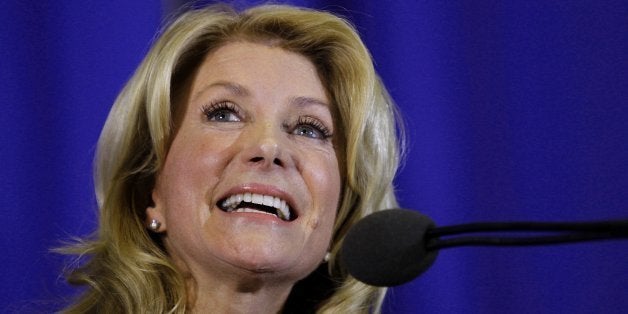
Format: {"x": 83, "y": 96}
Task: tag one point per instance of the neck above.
{"x": 251, "y": 295}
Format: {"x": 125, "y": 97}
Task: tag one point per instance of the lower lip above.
{"x": 255, "y": 216}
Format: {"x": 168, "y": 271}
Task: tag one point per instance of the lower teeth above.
{"x": 250, "y": 210}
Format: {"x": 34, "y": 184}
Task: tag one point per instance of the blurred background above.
{"x": 515, "y": 110}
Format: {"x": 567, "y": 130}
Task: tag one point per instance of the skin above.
{"x": 257, "y": 119}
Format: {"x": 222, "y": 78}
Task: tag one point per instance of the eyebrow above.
{"x": 239, "y": 90}
{"x": 233, "y": 88}
{"x": 303, "y": 101}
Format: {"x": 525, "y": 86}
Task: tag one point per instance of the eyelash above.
{"x": 210, "y": 110}
{"x": 314, "y": 123}
{"x": 214, "y": 108}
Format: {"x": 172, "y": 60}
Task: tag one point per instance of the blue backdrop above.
{"x": 515, "y": 110}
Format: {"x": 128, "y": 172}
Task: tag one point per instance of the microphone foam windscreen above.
{"x": 388, "y": 248}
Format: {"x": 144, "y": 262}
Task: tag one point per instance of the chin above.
{"x": 280, "y": 263}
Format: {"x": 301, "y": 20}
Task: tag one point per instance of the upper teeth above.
{"x": 267, "y": 200}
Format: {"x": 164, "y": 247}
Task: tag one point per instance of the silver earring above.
{"x": 154, "y": 225}
{"x": 327, "y": 257}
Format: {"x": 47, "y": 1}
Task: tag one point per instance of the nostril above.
{"x": 278, "y": 162}
{"x": 257, "y": 159}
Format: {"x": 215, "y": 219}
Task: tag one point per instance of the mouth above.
{"x": 257, "y": 203}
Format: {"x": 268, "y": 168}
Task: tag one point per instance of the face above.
{"x": 251, "y": 182}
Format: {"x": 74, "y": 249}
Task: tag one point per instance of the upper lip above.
{"x": 256, "y": 188}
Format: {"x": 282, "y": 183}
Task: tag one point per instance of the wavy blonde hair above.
{"x": 126, "y": 268}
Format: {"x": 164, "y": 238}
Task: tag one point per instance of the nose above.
{"x": 265, "y": 147}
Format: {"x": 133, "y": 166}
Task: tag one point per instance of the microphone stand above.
{"x": 561, "y": 233}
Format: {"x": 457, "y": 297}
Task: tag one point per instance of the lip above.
{"x": 258, "y": 188}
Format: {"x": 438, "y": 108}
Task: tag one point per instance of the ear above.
{"x": 156, "y": 212}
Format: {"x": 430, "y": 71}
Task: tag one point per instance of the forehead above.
{"x": 244, "y": 67}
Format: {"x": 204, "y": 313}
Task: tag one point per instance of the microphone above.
{"x": 394, "y": 246}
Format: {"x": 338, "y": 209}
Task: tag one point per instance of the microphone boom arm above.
{"x": 568, "y": 232}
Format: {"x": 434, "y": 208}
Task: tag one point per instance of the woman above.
{"x": 232, "y": 165}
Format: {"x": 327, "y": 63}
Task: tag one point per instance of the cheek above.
{"x": 189, "y": 175}
{"x": 330, "y": 181}
{"x": 194, "y": 157}
{"x": 324, "y": 184}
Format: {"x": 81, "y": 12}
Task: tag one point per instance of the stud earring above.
{"x": 327, "y": 257}
{"x": 154, "y": 225}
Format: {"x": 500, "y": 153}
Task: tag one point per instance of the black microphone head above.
{"x": 388, "y": 248}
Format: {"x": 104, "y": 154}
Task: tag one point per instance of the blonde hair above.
{"x": 126, "y": 268}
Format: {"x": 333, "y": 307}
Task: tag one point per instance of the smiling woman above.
{"x": 242, "y": 153}
{"x": 232, "y": 165}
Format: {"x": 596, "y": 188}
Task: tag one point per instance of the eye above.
{"x": 222, "y": 111}
{"x": 312, "y": 128}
